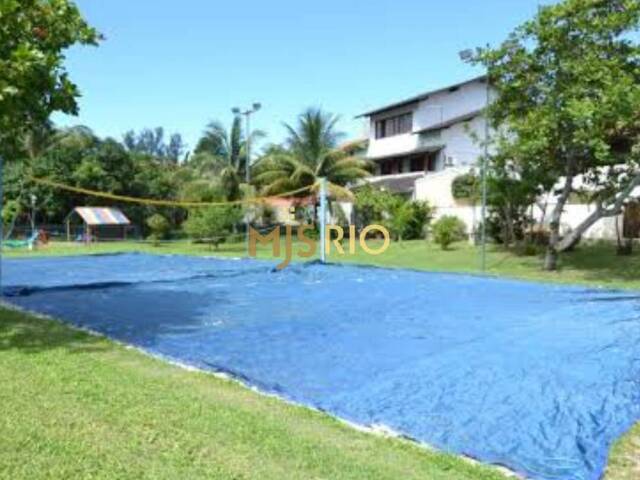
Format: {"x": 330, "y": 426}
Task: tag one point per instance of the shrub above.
{"x": 213, "y": 224}
{"x": 466, "y": 187}
{"x": 421, "y": 216}
{"x": 447, "y": 230}
{"x": 159, "y": 226}
{"x": 404, "y": 219}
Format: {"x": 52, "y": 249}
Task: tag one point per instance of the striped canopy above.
{"x": 102, "y": 216}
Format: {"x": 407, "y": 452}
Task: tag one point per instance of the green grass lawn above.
{"x": 75, "y": 406}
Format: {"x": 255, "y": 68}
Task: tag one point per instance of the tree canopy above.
{"x": 311, "y": 151}
{"x": 568, "y": 105}
{"x": 34, "y": 82}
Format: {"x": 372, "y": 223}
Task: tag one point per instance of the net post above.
{"x": 1, "y": 223}
{"x": 323, "y": 217}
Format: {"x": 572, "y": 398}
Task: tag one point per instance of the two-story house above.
{"x": 419, "y": 145}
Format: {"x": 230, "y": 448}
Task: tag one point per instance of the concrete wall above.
{"x": 446, "y": 105}
{"x": 436, "y": 189}
{"x": 461, "y": 149}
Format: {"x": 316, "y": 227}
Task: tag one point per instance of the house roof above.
{"x": 422, "y": 96}
{"x": 101, "y": 216}
{"x": 452, "y": 121}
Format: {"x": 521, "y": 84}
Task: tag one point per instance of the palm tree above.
{"x": 311, "y": 152}
{"x": 221, "y": 153}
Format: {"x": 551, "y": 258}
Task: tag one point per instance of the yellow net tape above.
{"x": 162, "y": 203}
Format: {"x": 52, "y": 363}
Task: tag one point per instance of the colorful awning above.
{"x": 102, "y": 216}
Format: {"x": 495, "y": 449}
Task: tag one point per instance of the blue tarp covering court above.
{"x": 539, "y": 378}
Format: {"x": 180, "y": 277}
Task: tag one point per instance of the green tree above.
{"x": 447, "y": 230}
{"x": 159, "y": 226}
{"x": 76, "y": 156}
{"x": 405, "y": 219}
{"x": 213, "y": 224}
{"x": 311, "y": 153}
{"x": 223, "y": 153}
{"x": 568, "y": 105}
{"x": 34, "y": 82}
{"x": 467, "y": 187}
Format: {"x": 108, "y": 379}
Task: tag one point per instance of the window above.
{"x": 432, "y": 163}
{"x": 397, "y": 125}
{"x": 417, "y": 164}
{"x": 385, "y": 168}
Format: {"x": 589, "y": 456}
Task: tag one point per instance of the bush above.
{"x": 159, "y": 226}
{"x": 213, "y": 224}
{"x": 466, "y": 187}
{"x": 404, "y": 219}
{"x": 447, "y": 230}
{"x": 421, "y": 215}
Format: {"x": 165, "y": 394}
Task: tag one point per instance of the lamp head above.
{"x": 257, "y": 106}
{"x": 235, "y": 111}
{"x": 466, "y": 55}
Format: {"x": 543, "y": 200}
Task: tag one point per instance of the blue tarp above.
{"x": 539, "y": 378}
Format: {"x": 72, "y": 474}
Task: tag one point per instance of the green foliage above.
{"x": 567, "y": 103}
{"x": 213, "y": 224}
{"x": 340, "y": 216}
{"x": 10, "y": 211}
{"x": 510, "y": 196}
{"x": 466, "y": 187}
{"x": 447, "y": 230}
{"x": 159, "y": 226}
{"x": 33, "y": 80}
{"x": 75, "y": 156}
{"x": 372, "y": 205}
{"x": 399, "y": 215}
{"x": 311, "y": 153}
{"x": 223, "y": 154}
{"x": 406, "y": 220}
{"x": 421, "y": 214}
{"x": 152, "y": 142}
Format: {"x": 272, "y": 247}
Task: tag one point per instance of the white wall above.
{"x": 460, "y": 146}
{"x": 397, "y": 144}
{"x": 458, "y": 143}
{"x": 436, "y": 189}
{"x": 444, "y": 106}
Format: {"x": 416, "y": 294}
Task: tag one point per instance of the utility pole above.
{"x": 247, "y": 172}
{"x": 467, "y": 56}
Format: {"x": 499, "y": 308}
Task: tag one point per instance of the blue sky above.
{"x": 179, "y": 64}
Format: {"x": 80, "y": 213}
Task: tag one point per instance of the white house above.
{"x": 421, "y": 144}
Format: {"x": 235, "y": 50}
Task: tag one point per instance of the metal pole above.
{"x": 484, "y": 179}
{"x": 323, "y": 212}
{"x": 1, "y": 225}
{"x": 247, "y": 174}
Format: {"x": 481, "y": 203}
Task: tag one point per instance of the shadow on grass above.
{"x": 601, "y": 263}
{"x": 20, "y": 331}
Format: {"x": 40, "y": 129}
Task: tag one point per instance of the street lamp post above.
{"x": 247, "y": 114}
{"x": 247, "y": 172}
{"x": 466, "y": 56}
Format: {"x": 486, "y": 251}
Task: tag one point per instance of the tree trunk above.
{"x": 616, "y": 204}
{"x": 551, "y": 260}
